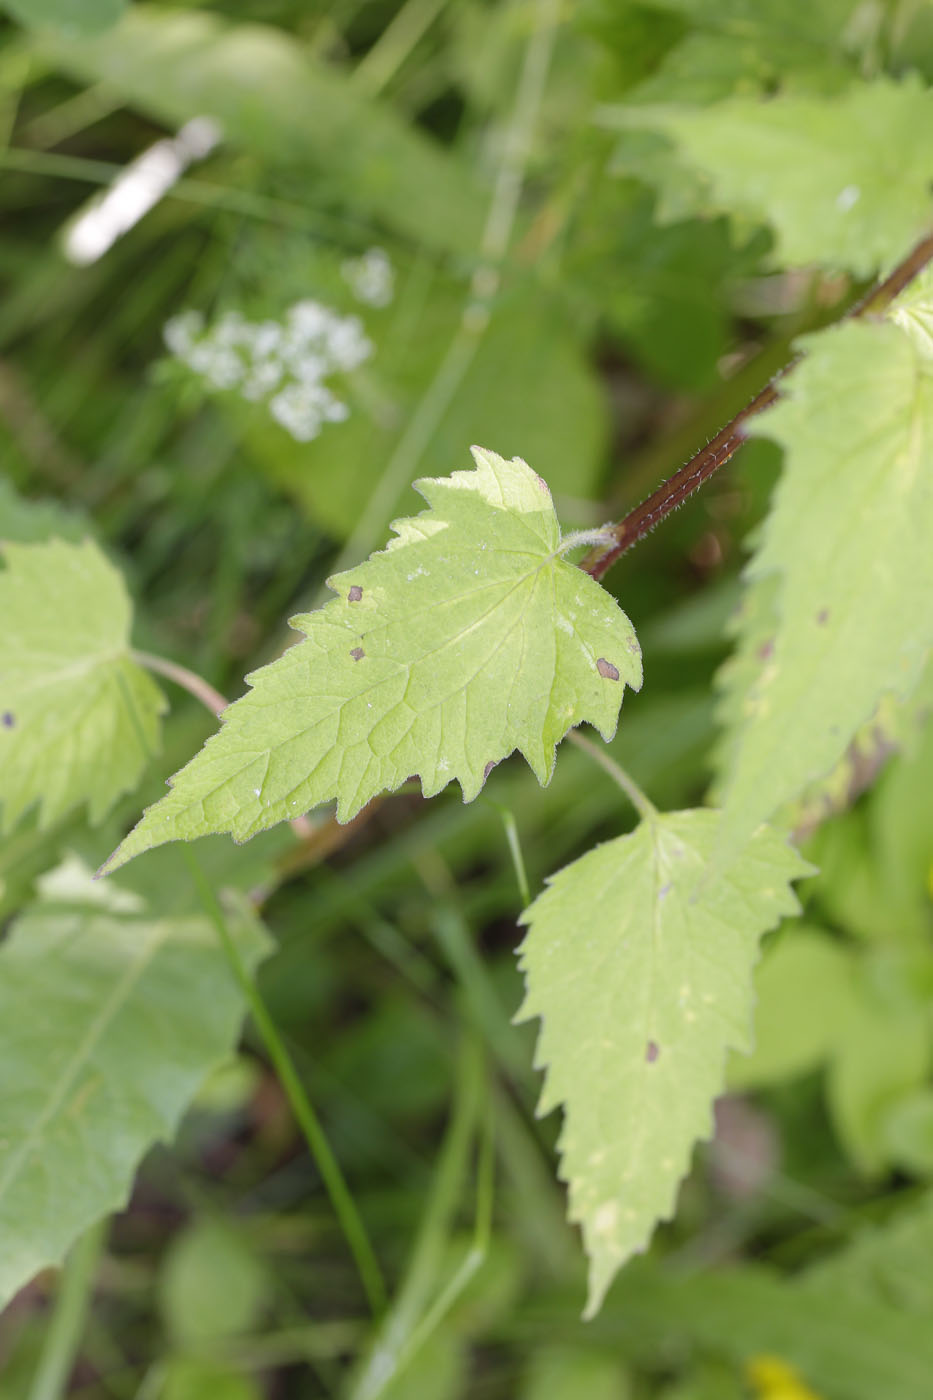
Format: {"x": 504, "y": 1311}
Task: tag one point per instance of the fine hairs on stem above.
{"x": 707, "y": 460}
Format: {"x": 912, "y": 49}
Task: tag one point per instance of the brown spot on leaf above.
{"x": 488, "y": 769}
{"x": 765, "y": 650}
{"x": 607, "y": 670}
{"x": 652, "y": 1051}
{"x": 357, "y": 653}
{"x": 8, "y": 719}
{"x": 822, "y": 616}
{"x": 355, "y": 593}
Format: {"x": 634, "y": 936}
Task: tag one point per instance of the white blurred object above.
{"x": 136, "y": 190}
{"x": 284, "y": 362}
{"x": 370, "y": 277}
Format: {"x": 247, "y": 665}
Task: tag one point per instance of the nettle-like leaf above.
{"x": 112, "y": 1018}
{"x": 848, "y": 540}
{"x": 467, "y": 638}
{"x": 639, "y": 963}
{"x": 842, "y": 180}
{"x": 79, "y": 719}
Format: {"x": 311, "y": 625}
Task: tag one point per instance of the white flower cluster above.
{"x": 371, "y": 277}
{"x": 282, "y": 362}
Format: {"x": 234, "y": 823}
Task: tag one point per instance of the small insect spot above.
{"x": 607, "y": 670}
{"x": 652, "y": 1051}
{"x": 664, "y": 890}
{"x": 9, "y": 719}
{"x": 357, "y": 653}
{"x": 822, "y": 616}
{"x": 355, "y": 594}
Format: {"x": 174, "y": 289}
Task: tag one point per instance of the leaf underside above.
{"x": 639, "y": 964}
{"x": 467, "y": 638}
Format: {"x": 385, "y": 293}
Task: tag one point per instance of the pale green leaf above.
{"x": 79, "y": 719}
{"x": 842, "y": 180}
{"x": 112, "y": 1018}
{"x": 468, "y": 637}
{"x": 848, "y": 538}
{"x": 72, "y": 18}
{"x": 639, "y": 964}
{"x": 270, "y": 96}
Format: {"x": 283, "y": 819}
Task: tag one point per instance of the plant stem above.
{"x": 65, "y": 1330}
{"x": 340, "y": 1197}
{"x": 188, "y": 680}
{"x": 673, "y": 492}
{"x": 633, "y": 792}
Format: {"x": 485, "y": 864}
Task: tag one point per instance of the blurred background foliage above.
{"x": 603, "y": 333}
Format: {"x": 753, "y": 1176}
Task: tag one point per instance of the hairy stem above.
{"x": 701, "y": 466}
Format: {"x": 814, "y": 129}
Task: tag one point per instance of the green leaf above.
{"x": 888, "y": 1263}
{"x": 639, "y": 965}
{"x": 271, "y": 97}
{"x": 848, "y": 538}
{"x": 73, "y": 18}
{"x": 844, "y": 1348}
{"x": 112, "y": 1019}
{"x": 468, "y": 637}
{"x": 842, "y": 180}
{"x": 79, "y": 720}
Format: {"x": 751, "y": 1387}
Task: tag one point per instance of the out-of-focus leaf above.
{"x": 842, "y": 180}
{"x": 79, "y": 719}
{"x": 112, "y": 1019}
{"x": 887, "y": 1263}
{"x": 848, "y": 538}
{"x": 843, "y": 1348}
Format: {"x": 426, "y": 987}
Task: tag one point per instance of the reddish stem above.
{"x": 673, "y": 492}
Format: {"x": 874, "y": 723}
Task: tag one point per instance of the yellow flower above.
{"x": 772, "y": 1379}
